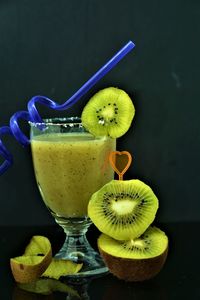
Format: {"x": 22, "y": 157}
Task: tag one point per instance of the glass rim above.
{"x": 57, "y": 121}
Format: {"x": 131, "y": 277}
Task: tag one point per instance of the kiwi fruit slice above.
{"x": 135, "y": 260}
{"x": 108, "y": 113}
{"x": 123, "y": 209}
{"x": 36, "y": 259}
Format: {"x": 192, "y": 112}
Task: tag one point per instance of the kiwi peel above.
{"x": 108, "y": 113}
{"x": 37, "y": 262}
{"x": 36, "y": 258}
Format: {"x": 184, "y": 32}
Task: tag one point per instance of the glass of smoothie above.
{"x": 70, "y": 165}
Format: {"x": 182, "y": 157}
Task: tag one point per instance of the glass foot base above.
{"x": 93, "y": 264}
{"x": 77, "y": 249}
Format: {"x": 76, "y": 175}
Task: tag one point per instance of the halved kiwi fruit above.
{"x": 135, "y": 260}
{"x": 108, "y": 113}
{"x": 123, "y": 209}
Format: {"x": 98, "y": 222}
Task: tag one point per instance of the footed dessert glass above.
{"x": 70, "y": 165}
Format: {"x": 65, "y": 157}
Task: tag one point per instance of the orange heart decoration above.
{"x": 120, "y": 162}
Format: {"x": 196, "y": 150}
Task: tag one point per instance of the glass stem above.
{"x": 77, "y": 248}
{"x": 76, "y": 244}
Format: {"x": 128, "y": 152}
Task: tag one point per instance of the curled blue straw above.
{"x": 33, "y": 115}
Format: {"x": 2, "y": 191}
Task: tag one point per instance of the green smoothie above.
{"x": 69, "y": 168}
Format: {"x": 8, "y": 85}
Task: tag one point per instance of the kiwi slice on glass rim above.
{"x": 135, "y": 260}
{"x": 108, "y": 113}
{"x": 123, "y": 209}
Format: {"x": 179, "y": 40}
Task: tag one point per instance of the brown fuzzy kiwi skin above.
{"x": 25, "y": 273}
{"x": 134, "y": 269}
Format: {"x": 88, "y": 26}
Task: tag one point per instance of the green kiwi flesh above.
{"x": 123, "y": 209}
{"x": 108, "y": 113}
{"x": 135, "y": 260}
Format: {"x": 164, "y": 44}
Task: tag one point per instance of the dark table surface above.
{"x": 179, "y": 279}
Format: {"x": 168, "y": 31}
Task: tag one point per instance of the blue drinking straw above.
{"x": 33, "y": 115}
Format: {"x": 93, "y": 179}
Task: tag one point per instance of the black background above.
{"x": 52, "y": 47}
